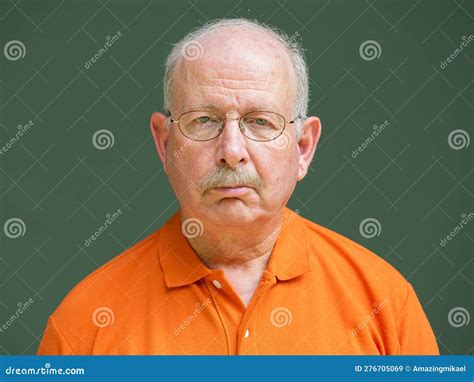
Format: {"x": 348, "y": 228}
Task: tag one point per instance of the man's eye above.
{"x": 261, "y": 121}
{"x": 203, "y": 119}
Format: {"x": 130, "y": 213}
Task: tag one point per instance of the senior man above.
{"x": 235, "y": 271}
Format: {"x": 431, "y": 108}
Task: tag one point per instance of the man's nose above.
{"x": 232, "y": 145}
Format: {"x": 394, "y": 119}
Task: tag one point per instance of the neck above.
{"x": 236, "y": 246}
{"x": 242, "y": 252}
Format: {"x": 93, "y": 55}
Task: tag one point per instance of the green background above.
{"x": 409, "y": 178}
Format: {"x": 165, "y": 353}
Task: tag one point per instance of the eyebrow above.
{"x": 206, "y": 106}
{"x": 261, "y": 107}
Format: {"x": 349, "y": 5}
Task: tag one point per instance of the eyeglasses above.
{"x": 204, "y": 125}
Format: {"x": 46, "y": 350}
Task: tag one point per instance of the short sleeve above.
{"x": 413, "y": 329}
{"x": 53, "y": 343}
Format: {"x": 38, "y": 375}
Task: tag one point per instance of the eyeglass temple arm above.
{"x": 168, "y": 114}
{"x": 299, "y": 116}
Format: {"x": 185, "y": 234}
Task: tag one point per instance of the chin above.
{"x": 232, "y": 212}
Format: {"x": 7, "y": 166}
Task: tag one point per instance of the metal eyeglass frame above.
{"x": 223, "y": 121}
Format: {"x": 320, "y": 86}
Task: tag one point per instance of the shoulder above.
{"x": 352, "y": 267}
{"x": 107, "y": 294}
{"x": 122, "y": 271}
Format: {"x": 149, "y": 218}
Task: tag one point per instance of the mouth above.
{"x": 232, "y": 191}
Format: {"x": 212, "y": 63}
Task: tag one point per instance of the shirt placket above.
{"x": 237, "y": 320}
{"x": 247, "y": 339}
{"x": 228, "y": 306}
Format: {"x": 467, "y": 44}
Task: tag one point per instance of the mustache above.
{"x": 224, "y": 176}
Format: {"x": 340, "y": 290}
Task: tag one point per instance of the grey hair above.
{"x": 292, "y": 45}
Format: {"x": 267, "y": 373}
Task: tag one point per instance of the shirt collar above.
{"x": 181, "y": 265}
{"x": 290, "y": 256}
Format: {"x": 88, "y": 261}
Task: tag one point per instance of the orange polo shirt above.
{"x": 321, "y": 293}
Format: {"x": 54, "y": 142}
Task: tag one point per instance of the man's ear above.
{"x": 310, "y": 134}
{"x": 160, "y": 130}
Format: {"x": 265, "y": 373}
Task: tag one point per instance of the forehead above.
{"x": 235, "y": 71}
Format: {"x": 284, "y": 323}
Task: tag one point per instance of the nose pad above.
{"x": 242, "y": 127}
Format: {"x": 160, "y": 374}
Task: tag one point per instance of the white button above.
{"x": 246, "y": 333}
{"x": 217, "y": 284}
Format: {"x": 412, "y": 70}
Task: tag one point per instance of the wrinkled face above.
{"x": 232, "y": 180}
